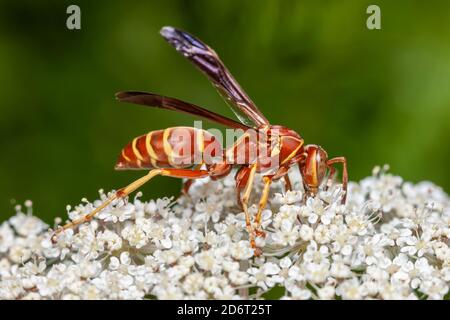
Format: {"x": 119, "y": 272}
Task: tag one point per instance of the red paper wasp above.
{"x": 157, "y": 150}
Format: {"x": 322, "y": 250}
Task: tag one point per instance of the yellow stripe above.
{"x": 167, "y": 146}
{"x": 125, "y": 157}
{"x": 136, "y": 151}
{"x": 293, "y": 153}
{"x": 148, "y": 144}
{"x": 314, "y": 167}
{"x": 200, "y": 141}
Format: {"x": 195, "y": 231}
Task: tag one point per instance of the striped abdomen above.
{"x": 177, "y": 147}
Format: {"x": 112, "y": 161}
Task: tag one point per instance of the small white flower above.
{"x": 210, "y": 208}
{"x": 340, "y": 270}
{"x": 160, "y": 207}
{"x": 417, "y": 244}
{"x": 122, "y": 263}
{"x": 306, "y": 232}
{"x": 266, "y": 276}
{"x": 296, "y": 273}
{"x": 239, "y": 277}
{"x": 313, "y": 210}
{"x": 135, "y": 236}
{"x": 315, "y": 253}
{"x": 350, "y": 289}
{"x": 241, "y": 250}
{"x": 322, "y": 234}
{"x": 193, "y": 283}
{"x": 326, "y": 292}
{"x": 118, "y": 213}
{"x": 27, "y": 225}
{"x": 19, "y": 254}
{"x": 373, "y": 248}
{"x": 287, "y": 234}
{"x": 110, "y": 240}
{"x": 6, "y": 237}
{"x": 299, "y": 293}
{"x": 316, "y": 272}
{"x": 389, "y": 241}
{"x": 290, "y": 197}
{"x": 206, "y": 260}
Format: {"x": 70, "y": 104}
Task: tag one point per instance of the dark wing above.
{"x": 158, "y": 101}
{"x": 207, "y": 60}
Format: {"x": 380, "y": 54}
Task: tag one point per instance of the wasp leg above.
{"x": 239, "y": 198}
{"x": 330, "y": 177}
{"x": 344, "y": 174}
{"x": 245, "y": 199}
{"x": 123, "y": 192}
{"x": 186, "y": 186}
{"x": 287, "y": 183}
{"x": 241, "y": 181}
{"x": 262, "y": 205}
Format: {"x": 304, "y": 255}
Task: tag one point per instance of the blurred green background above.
{"x": 375, "y": 96}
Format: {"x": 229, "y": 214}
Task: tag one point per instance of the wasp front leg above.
{"x": 241, "y": 178}
{"x": 330, "y": 177}
{"x": 287, "y": 183}
{"x": 281, "y": 173}
{"x": 342, "y": 160}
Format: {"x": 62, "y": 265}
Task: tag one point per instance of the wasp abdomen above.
{"x": 177, "y": 147}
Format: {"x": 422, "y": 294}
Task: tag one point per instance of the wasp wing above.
{"x": 158, "y": 101}
{"x": 207, "y": 60}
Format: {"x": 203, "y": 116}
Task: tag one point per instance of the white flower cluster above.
{"x": 389, "y": 241}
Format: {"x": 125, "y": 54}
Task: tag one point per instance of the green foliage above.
{"x": 447, "y": 296}
{"x": 421, "y": 295}
{"x": 274, "y": 293}
{"x": 377, "y": 96}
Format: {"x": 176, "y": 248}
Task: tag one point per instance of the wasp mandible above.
{"x": 163, "y": 153}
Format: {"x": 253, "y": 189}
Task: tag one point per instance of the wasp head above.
{"x": 313, "y": 168}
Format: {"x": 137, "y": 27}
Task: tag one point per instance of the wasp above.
{"x": 275, "y": 150}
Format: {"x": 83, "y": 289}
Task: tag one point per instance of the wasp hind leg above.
{"x": 124, "y": 192}
{"x": 262, "y": 205}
